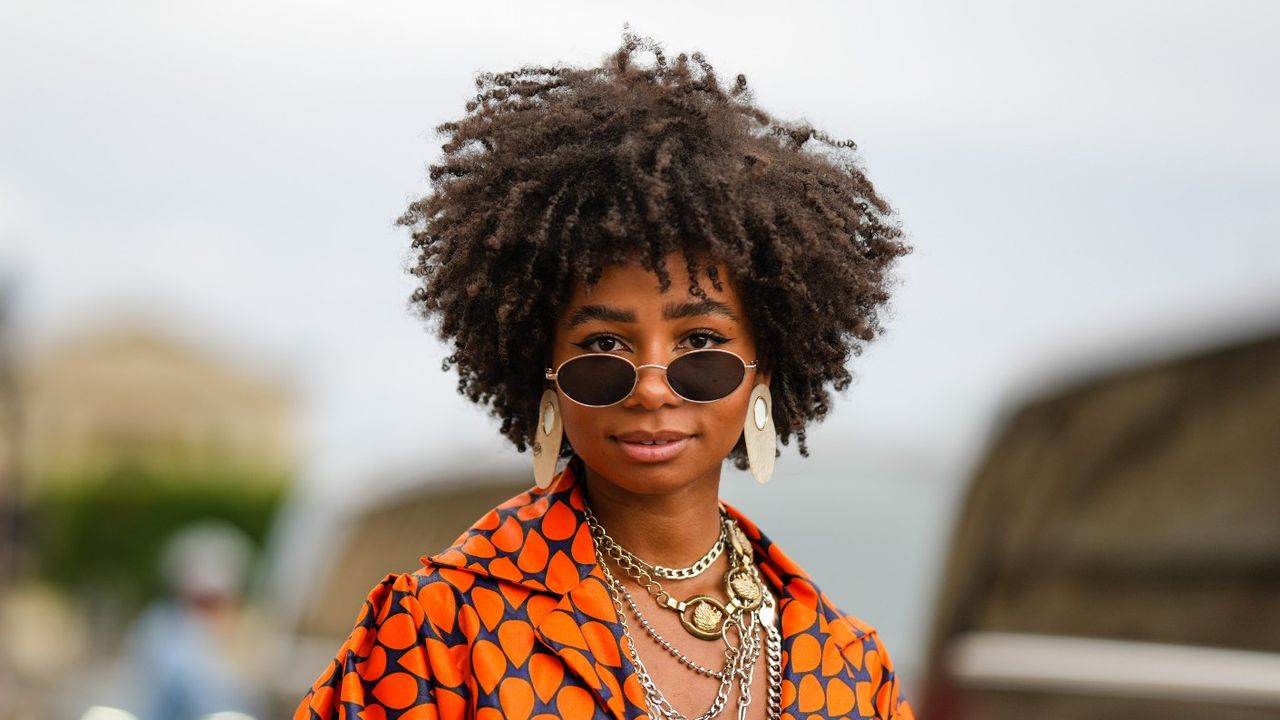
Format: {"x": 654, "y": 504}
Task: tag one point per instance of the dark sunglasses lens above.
{"x": 705, "y": 376}
{"x": 596, "y": 379}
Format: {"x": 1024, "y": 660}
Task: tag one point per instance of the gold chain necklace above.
{"x": 684, "y": 573}
{"x": 702, "y": 616}
{"x": 747, "y": 615}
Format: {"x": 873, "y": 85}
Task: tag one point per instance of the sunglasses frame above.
{"x": 552, "y": 375}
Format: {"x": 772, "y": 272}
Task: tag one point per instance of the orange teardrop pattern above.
{"x": 516, "y": 638}
{"x": 398, "y": 632}
{"x": 805, "y": 654}
{"x": 489, "y": 664}
{"x": 562, "y": 573}
{"x": 534, "y": 554}
{"x": 562, "y": 629}
{"x": 438, "y": 600}
{"x": 515, "y": 621}
{"x": 489, "y": 605}
{"x": 592, "y": 599}
{"x": 832, "y": 661}
{"x": 373, "y": 666}
{"x": 516, "y": 695}
{"x": 547, "y": 673}
{"x": 510, "y": 536}
{"x": 603, "y": 643}
{"x": 840, "y": 698}
{"x": 415, "y": 661}
{"x": 397, "y": 690}
{"x": 574, "y": 703}
{"x": 811, "y": 695}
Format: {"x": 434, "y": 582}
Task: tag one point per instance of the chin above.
{"x": 648, "y": 481}
{"x": 663, "y": 477}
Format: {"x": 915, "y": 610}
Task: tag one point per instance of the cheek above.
{"x": 729, "y": 415}
{"x": 577, "y": 421}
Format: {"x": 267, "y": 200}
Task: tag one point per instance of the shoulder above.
{"x": 417, "y": 633}
{"x": 839, "y": 661}
{"x": 388, "y": 620}
{"x": 876, "y": 688}
{"x": 832, "y": 654}
{"x": 405, "y": 638}
{"x": 538, "y": 540}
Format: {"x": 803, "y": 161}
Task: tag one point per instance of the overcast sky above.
{"x": 1074, "y": 176}
{"x": 1083, "y": 182}
{"x": 1069, "y": 174}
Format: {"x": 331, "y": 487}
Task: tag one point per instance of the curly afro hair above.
{"x": 555, "y": 173}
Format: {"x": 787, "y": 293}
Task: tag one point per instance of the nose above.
{"x": 652, "y": 390}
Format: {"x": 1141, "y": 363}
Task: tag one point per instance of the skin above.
{"x": 666, "y": 511}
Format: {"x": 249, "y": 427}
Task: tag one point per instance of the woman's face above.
{"x": 626, "y": 314}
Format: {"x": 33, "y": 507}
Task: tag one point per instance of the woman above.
{"x": 642, "y": 274}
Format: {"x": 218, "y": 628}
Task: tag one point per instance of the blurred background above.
{"x": 220, "y": 424}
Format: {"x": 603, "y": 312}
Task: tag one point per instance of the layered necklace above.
{"x": 739, "y": 623}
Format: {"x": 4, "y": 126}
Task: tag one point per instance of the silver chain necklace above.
{"x": 702, "y": 616}
{"x": 697, "y": 568}
{"x": 657, "y": 702}
{"x": 653, "y": 633}
{"x": 747, "y": 622}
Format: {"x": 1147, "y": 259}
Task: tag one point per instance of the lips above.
{"x": 657, "y": 446}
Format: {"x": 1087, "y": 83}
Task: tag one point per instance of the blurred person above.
{"x": 181, "y": 647}
{"x": 644, "y": 274}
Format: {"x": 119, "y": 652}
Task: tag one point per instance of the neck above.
{"x": 673, "y": 529}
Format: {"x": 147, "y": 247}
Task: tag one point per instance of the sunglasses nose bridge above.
{"x": 653, "y": 387}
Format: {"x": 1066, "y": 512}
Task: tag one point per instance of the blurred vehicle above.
{"x": 1118, "y": 554}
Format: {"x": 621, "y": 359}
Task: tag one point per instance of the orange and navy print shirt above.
{"x": 516, "y": 621}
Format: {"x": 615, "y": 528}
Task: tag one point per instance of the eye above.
{"x": 600, "y": 344}
{"x": 703, "y": 339}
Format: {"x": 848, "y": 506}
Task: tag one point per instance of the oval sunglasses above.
{"x": 601, "y": 379}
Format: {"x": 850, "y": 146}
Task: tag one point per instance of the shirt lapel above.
{"x": 823, "y": 650}
{"x": 541, "y": 541}
{"x": 583, "y": 629}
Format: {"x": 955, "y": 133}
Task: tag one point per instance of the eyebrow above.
{"x": 677, "y": 311}
{"x": 604, "y": 313}
{"x": 670, "y": 311}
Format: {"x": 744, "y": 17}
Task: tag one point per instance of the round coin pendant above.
{"x": 703, "y": 617}
{"x": 743, "y": 588}
{"x": 740, "y": 542}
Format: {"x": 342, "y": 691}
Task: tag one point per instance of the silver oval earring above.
{"x": 759, "y": 435}
{"x": 547, "y": 437}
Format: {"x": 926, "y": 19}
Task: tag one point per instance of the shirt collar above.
{"x": 540, "y": 541}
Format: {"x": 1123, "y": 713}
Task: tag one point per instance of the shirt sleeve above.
{"x": 390, "y": 666}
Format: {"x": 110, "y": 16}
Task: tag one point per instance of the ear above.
{"x": 761, "y": 377}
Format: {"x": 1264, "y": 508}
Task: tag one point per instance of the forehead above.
{"x": 631, "y": 285}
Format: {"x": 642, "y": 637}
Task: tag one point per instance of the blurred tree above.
{"x": 127, "y": 434}
{"x": 101, "y": 538}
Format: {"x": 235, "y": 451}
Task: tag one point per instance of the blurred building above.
{"x": 99, "y": 435}
{"x": 132, "y": 397}
{"x": 1118, "y": 555}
